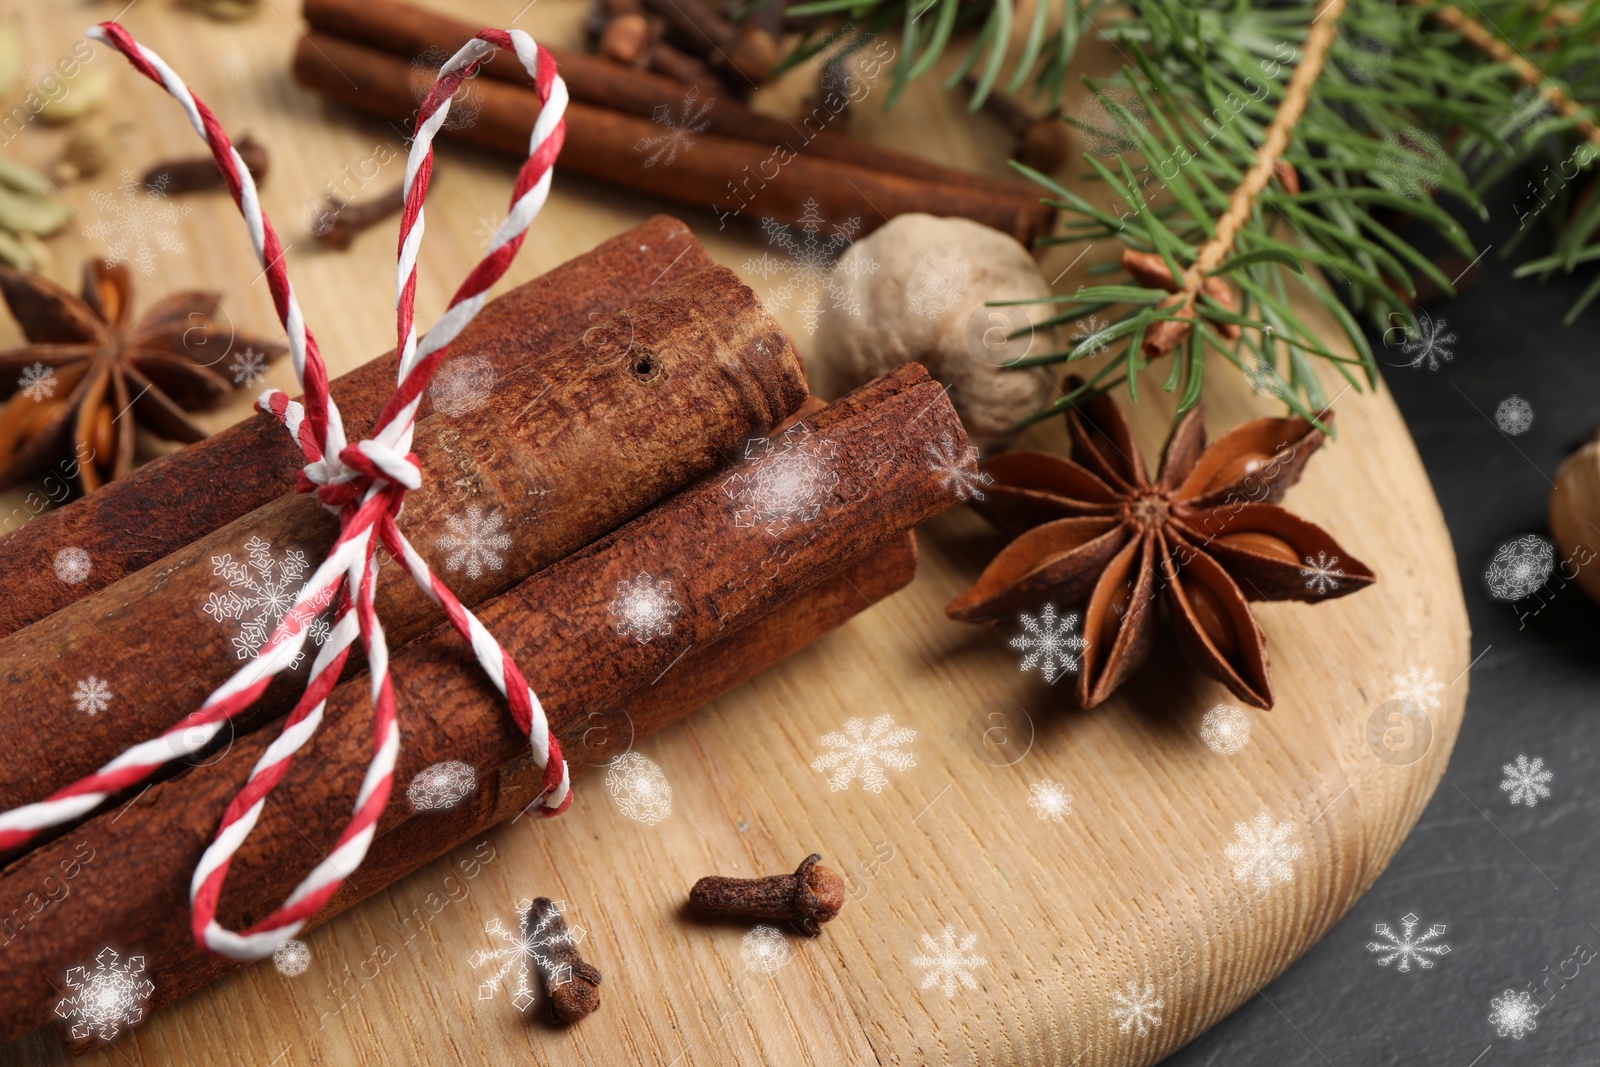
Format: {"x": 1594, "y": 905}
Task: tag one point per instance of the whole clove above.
{"x": 1041, "y": 139}
{"x": 335, "y": 223}
{"x": 810, "y": 896}
{"x": 199, "y": 173}
{"x": 634, "y": 39}
{"x": 571, "y": 984}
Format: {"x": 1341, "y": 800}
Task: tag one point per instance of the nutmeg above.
{"x": 1575, "y": 515}
{"x": 1262, "y": 544}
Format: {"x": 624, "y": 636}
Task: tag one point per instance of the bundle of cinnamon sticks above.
{"x": 600, "y": 458}
{"x": 742, "y": 166}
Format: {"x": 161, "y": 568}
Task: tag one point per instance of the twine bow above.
{"x": 364, "y": 484}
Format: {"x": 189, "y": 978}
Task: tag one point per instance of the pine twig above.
{"x": 1496, "y": 48}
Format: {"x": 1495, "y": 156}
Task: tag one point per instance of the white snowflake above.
{"x": 808, "y": 262}
{"x": 1263, "y": 853}
{"x": 234, "y": 61}
{"x": 38, "y": 382}
{"x": 1264, "y": 379}
{"x": 1519, "y": 568}
{"x": 1406, "y": 946}
{"x": 441, "y": 786}
{"x": 139, "y": 224}
{"x": 1430, "y": 344}
{"x": 1049, "y": 801}
{"x": 644, "y": 608}
{"x": 765, "y": 950}
{"x": 92, "y": 695}
{"x": 1512, "y": 1013}
{"x": 959, "y": 468}
{"x": 1368, "y": 59}
{"x": 474, "y": 542}
{"x": 320, "y": 215}
{"x": 1090, "y": 333}
{"x": 292, "y": 958}
{"x": 947, "y": 961}
{"x": 486, "y": 231}
{"x": 641, "y": 791}
{"x": 516, "y": 951}
{"x": 1322, "y": 574}
{"x": 862, "y": 751}
{"x": 1136, "y": 1007}
{"x": 938, "y": 280}
{"x": 260, "y": 596}
{"x": 783, "y": 480}
{"x": 106, "y": 999}
{"x": 468, "y": 98}
{"x": 1106, "y": 130}
{"x": 691, "y": 118}
{"x": 1417, "y": 691}
{"x": 72, "y": 564}
{"x": 462, "y": 385}
{"x": 1513, "y": 415}
{"x": 1411, "y": 163}
{"x": 248, "y": 367}
{"x": 1525, "y": 781}
{"x": 1225, "y": 729}
{"x": 1052, "y": 645}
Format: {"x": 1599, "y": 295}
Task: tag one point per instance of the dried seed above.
{"x": 1262, "y": 544}
{"x": 1212, "y": 616}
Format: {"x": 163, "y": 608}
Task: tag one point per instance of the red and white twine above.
{"x": 364, "y": 484}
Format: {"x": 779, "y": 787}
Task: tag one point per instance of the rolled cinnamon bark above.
{"x": 236, "y": 470}
{"x": 604, "y": 426}
{"x": 405, "y": 31}
{"x": 723, "y": 553}
{"x": 732, "y": 177}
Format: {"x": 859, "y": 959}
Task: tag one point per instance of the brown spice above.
{"x": 336, "y": 223}
{"x": 199, "y": 173}
{"x": 571, "y": 984}
{"x": 1041, "y": 139}
{"x": 812, "y": 895}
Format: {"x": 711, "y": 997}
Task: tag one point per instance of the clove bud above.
{"x": 199, "y": 173}
{"x": 810, "y": 896}
{"x": 336, "y": 223}
{"x": 571, "y": 984}
{"x": 1041, "y": 139}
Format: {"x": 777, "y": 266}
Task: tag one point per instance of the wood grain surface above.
{"x": 1133, "y": 886}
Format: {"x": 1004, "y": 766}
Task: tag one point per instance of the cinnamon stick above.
{"x": 734, "y": 547}
{"x": 236, "y": 470}
{"x": 735, "y": 178}
{"x": 403, "y": 30}
{"x": 605, "y": 426}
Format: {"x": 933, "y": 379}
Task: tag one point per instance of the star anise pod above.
{"x": 88, "y": 374}
{"x": 1206, "y": 533}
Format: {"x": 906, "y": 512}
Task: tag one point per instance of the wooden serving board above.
{"x": 1132, "y": 886}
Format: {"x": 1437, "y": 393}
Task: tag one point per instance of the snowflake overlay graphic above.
{"x": 1049, "y": 801}
{"x": 938, "y": 280}
{"x": 1264, "y": 379}
{"x": 1513, "y": 415}
{"x": 138, "y": 225}
{"x": 1051, "y": 644}
{"x": 1417, "y": 691}
{"x": 106, "y": 999}
{"x": 783, "y": 480}
{"x": 1406, "y": 946}
{"x": 468, "y": 96}
{"x": 1526, "y": 781}
{"x": 1519, "y": 568}
{"x": 234, "y": 62}
{"x": 1107, "y": 132}
{"x": 960, "y": 469}
{"x": 691, "y": 118}
{"x": 808, "y": 262}
{"x": 1090, "y": 335}
{"x": 1263, "y": 853}
{"x": 1136, "y": 1008}
{"x": 764, "y": 950}
{"x": 644, "y": 608}
{"x": 260, "y": 596}
{"x": 462, "y": 385}
{"x": 474, "y": 541}
{"x": 72, "y": 564}
{"x": 1368, "y": 59}
{"x": 862, "y": 751}
{"x": 92, "y": 695}
{"x": 38, "y": 382}
{"x": 947, "y": 962}
{"x": 1411, "y": 163}
{"x": 1430, "y": 345}
{"x": 441, "y": 786}
{"x": 248, "y": 367}
{"x": 1322, "y": 574}
{"x": 1225, "y": 729}
{"x": 641, "y": 791}
{"x": 1512, "y": 1013}
{"x": 292, "y": 958}
{"x": 514, "y": 952}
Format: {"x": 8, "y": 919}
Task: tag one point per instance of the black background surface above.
{"x": 1517, "y": 888}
